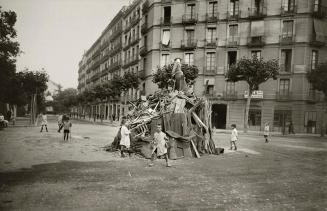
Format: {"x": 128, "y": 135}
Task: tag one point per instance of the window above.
{"x": 287, "y": 29}
{"x": 231, "y": 58}
{"x": 317, "y": 4}
{"x": 256, "y": 54}
{"x": 257, "y": 6}
{"x": 314, "y": 59}
{"x": 212, "y": 9}
{"x": 211, "y": 33}
{"x": 310, "y": 121}
{"x": 233, "y": 30}
{"x": 288, "y": 5}
{"x": 189, "y": 58}
{"x": 210, "y": 89}
{"x": 211, "y": 62}
{"x": 190, "y": 10}
{"x": 167, "y": 14}
{"x": 234, "y": 7}
{"x": 230, "y": 87}
{"x": 286, "y": 60}
{"x": 284, "y": 87}
{"x": 165, "y": 37}
{"x": 164, "y": 59}
{"x": 144, "y": 63}
{"x": 254, "y": 117}
{"x": 281, "y": 117}
{"x": 145, "y": 41}
{"x": 189, "y": 35}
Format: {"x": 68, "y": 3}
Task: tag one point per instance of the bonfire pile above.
{"x": 185, "y": 118}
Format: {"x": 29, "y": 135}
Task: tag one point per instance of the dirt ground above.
{"x": 38, "y": 171}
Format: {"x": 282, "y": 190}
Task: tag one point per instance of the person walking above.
{"x": 233, "y": 137}
{"x": 291, "y": 128}
{"x": 160, "y": 145}
{"x": 44, "y": 122}
{"x": 266, "y": 132}
{"x": 125, "y": 140}
{"x": 67, "y": 128}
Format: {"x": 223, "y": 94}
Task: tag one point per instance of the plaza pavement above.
{"x": 38, "y": 171}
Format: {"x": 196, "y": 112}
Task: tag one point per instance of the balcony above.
{"x": 190, "y": 18}
{"x": 211, "y": 43}
{"x": 144, "y": 28}
{"x": 115, "y": 66}
{"x": 116, "y": 49}
{"x": 313, "y": 97}
{"x": 116, "y": 33}
{"x": 256, "y": 13}
{"x": 145, "y": 7}
{"x": 133, "y": 60}
{"x": 210, "y": 95}
{"x": 126, "y": 45}
{"x": 143, "y": 51}
{"x": 317, "y": 41}
{"x": 135, "y": 40}
{"x": 165, "y": 47}
{"x": 283, "y": 96}
{"x": 141, "y": 74}
{"x": 210, "y": 70}
{"x": 135, "y": 20}
{"x": 104, "y": 58}
{"x": 286, "y": 39}
{"x": 189, "y": 44}
{"x": 288, "y": 10}
{"x": 234, "y": 15}
{"x": 166, "y": 1}
{"x": 230, "y": 95}
{"x": 211, "y": 18}
{"x": 285, "y": 69}
{"x": 166, "y": 21}
{"x": 258, "y": 41}
{"x": 233, "y": 41}
{"x": 319, "y": 11}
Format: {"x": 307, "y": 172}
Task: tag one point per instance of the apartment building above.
{"x": 214, "y": 34}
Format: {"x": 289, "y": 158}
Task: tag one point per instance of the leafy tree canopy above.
{"x": 164, "y": 77}
{"x": 318, "y": 78}
{"x": 9, "y": 49}
{"x": 64, "y": 100}
{"x": 254, "y": 71}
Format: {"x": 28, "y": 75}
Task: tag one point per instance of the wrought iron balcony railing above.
{"x": 284, "y": 95}
{"x": 257, "y": 12}
{"x": 189, "y": 44}
{"x": 257, "y": 41}
{"x": 190, "y": 18}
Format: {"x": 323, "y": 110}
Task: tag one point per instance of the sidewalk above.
{"x": 98, "y": 122}
{"x": 275, "y": 134}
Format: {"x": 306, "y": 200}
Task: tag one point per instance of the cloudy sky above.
{"x": 53, "y": 34}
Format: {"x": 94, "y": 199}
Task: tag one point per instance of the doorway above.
{"x": 218, "y": 118}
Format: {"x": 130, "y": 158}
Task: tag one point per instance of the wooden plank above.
{"x": 195, "y": 150}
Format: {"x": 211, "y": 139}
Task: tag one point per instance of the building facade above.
{"x": 214, "y": 34}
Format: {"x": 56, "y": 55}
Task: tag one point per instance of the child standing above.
{"x": 233, "y": 137}
{"x": 44, "y": 122}
{"x": 160, "y": 144}
{"x": 125, "y": 141}
{"x": 67, "y": 128}
{"x": 266, "y": 132}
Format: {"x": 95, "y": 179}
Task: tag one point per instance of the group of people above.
{"x": 159, "y": 145}
{"x": 63, "y": 123}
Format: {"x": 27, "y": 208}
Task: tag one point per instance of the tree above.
{"x": 164, "y": 77}
{"x": 9, "y": 49}
{"x": 318, "y": 77}
{"x": 64, "y": 100}
{"x": 254, "y": 72}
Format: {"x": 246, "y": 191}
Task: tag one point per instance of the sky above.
{"x": 53, "y": 34}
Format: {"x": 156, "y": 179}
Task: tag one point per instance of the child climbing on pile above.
{"x": 160, "y": 145}
{"x": 67, "y": 128}
{"x": 233, "y": 137}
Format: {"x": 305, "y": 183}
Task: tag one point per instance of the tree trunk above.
{"x": 323, "y": 127}
{"x": 247, "y": 108}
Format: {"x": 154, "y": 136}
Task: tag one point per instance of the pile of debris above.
{"x": 185, "y": 118}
